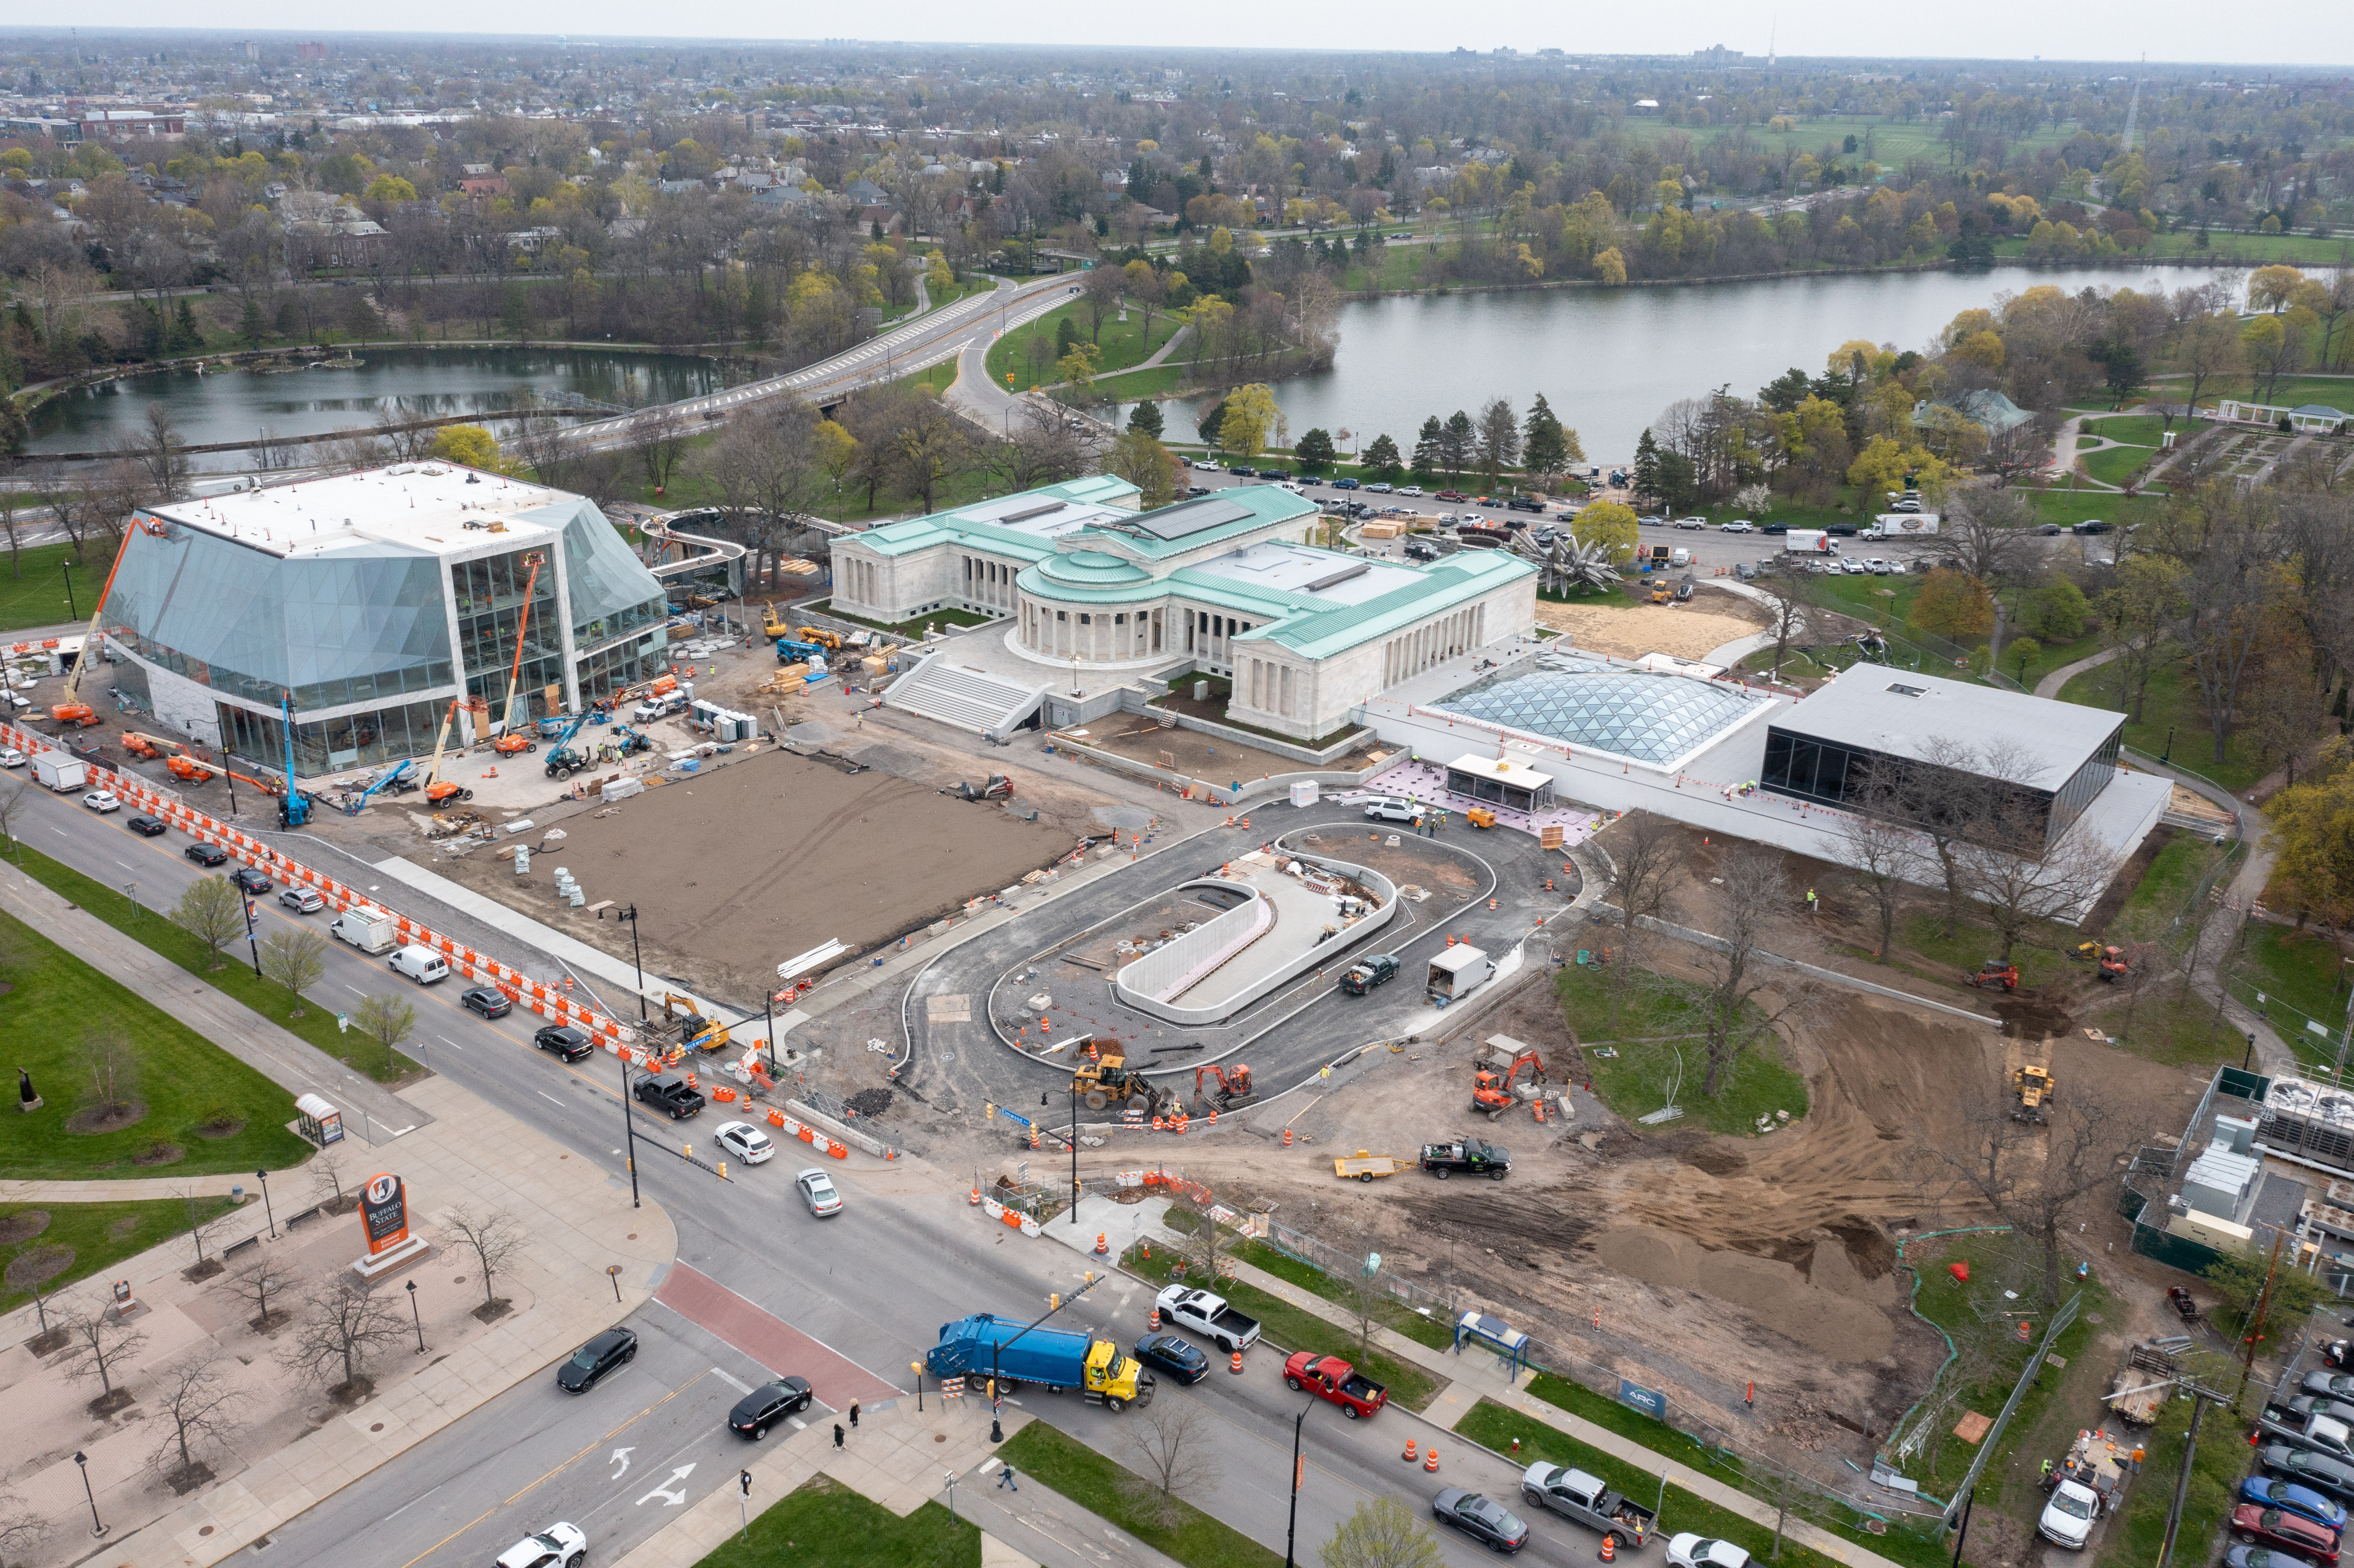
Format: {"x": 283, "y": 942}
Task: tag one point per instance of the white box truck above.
{"x": 1455, "y": 972}
{"x": 1903, "y": 525}
{"x": 1809, "y": 541}
{"x": 57, "y": 771}
{"x": 369, "y": 930}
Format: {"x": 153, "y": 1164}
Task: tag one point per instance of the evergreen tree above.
{"x": 1314, "y": 451}
{"x": 514, "y": 313}
{"x": 1206, "y": 427}
{"x": 1646, "y": 468}
{"x": 1457, "y": 438}
{"x": 1498, "y": 438}
{"x": 186, "y": 334}
{"x": 1427, "y": 452}
{"x": 1146, "y": 417}
{"x": 251, "y": 328}
{"x": 1544, "y": 443}
{"x": 1382, "y": 459}
{"x": 1679, "y": 482}
{"x": 1067, "y": 337}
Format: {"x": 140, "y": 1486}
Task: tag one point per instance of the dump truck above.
{"x": 1455, "y": 972}
{"x": 1574, "y": 1494}
{"x": 1208, "y": 1315}
{"x": 983, "y": 1345}
{"x": 1330, "y": 1377}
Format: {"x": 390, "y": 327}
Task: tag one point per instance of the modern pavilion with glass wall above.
{"x": 373, "y": 601}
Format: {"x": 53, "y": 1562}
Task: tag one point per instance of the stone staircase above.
{"x": 961, "y": 696}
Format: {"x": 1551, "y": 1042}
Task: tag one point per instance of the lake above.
{"x": 1608, "y": 360}
{"x": 231, "y": 405}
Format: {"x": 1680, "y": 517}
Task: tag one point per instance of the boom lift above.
{"x": 436, "y": 792}
{"x": 512, "y": 740}
{"x": 562, "y": 761}
{"x": 73, "y": 710}
{"x": 390, "y": 779}
{"x": 294, "y": 805}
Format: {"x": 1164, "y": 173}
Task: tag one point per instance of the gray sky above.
{"x": 2304, "y": 37}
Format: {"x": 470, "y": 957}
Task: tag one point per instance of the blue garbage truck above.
{"x": 1055, "y": 1359}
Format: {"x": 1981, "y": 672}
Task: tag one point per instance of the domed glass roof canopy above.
{"x": 1650, "y": 718}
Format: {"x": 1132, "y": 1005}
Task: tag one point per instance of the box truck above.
{"x": 1903, "y": 525}
{"x": 369, "y": 930}
{"x": 1809, "y": 541}
{"x": 58, "y": 772}
{"x": 1455, "y": 972}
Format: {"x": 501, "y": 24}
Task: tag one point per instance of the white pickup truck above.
{"x": 1208, "y": 1315}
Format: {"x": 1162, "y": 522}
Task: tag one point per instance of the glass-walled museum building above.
{"x": 373, "y": 601}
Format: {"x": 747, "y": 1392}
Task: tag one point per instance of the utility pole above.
{"x": 2200, "y": 1398}
{"x": 2257, "y": 1319}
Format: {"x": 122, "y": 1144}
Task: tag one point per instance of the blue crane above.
{"x": 562, "y": 761}
{"x": 294, "y": 806}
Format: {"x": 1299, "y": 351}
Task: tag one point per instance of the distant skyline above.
{"x": 2174, "y": 32}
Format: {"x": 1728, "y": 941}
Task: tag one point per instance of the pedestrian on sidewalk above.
{"x": 837, "y": 1434}
{"x": 853, "y": 1416}
{"x": 1006, "y": 1482}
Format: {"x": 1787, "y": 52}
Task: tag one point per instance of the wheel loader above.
{"x": 2033, "y": 1089}
{"x": 1110, "y": 1077}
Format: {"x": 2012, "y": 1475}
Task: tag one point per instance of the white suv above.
{"x": 1393, "y": 810}
{"x": 560, "y": 1545}
{"x": 1739, "y": 525}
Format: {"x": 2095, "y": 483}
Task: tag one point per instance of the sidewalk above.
{"x": 1473, "y": 1377}
{"x": 372, "y": 1112}
{"x": 899, "y": 1457}
{"x": 465, "y": 1150}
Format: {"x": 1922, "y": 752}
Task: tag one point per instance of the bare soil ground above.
{"x": 738, "y": 868}
{"x": 1686, "y": 630}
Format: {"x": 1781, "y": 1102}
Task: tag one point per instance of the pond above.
{"x": 1608, "y": 360}
{"x": 239, "y": 404}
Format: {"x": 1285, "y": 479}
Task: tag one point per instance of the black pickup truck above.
{"x": 1469, "y": 1154}
{"x": 1368, "y": 972}
{"x": 671, "y": 1094}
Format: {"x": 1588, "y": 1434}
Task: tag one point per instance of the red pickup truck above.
{"x": 1337, "y": 1380}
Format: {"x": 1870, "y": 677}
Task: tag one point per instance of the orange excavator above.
{"x": 1491, "y": 1086}
{"x": 513, "y": 739}
{"x": 1233, "y": 1083}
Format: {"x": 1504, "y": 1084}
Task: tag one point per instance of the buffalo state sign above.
{"x": 384, "y": 1210}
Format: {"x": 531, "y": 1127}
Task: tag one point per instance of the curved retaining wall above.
{"x": 1166, "y": 971}
{"x": 1322, "y": 953}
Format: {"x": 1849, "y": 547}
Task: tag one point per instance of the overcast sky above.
{"x": 2304, "y": 37}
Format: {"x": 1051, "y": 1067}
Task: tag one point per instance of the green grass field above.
{"x": 2114, "y": 465}
{"x": 824, "y": 1524}
{"x": 32, "y": 592}
{"x": 2302, "y": 970}
{"x": 215, "y": 1112}
{"x": 1119, "y": 1496}
{"x": 1123, "y": 344}
{"x": 2333, "y": 391}
{"x": 100, "y": 1235}
{"x": 1635, "y": 1082}
{"x": 2172, "y": 711}
{"x": 155, "y": 930}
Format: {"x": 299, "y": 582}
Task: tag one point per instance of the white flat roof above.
{"x": 1902, "y": 712}
{"x": 1520, "y": 775}
{"x": 437, "y": 508}
{"x": 1044, "y": 516}
{"x": 1320, "y": 574}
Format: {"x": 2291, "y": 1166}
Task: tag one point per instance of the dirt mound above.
{"x": 870, "y": 1102}
{"x": 1830, "y": 1323}
{"x": 1870, "y": 1248}
{"x": 2033, "y": 1017}
{"x": 22, "y": 1226}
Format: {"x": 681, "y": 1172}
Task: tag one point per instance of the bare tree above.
{"x": 2013, "y": 454}
{"x": 296, "y": 959}
{"x": 342, "y": 1326}
{"x": 2031, "y": 1177}
{"x": 1647, "y": 866}
{"x": 163, "y": 453}
{"x": 212, "y": 911}
{"x": 326, "y": 1169}
{"x": 1205, "y": 1248}
{"x": 198, "y": 1404}
{"x": 1785, "y": 609}
{"x": 12, "y": 805}
{"x": 659, "y": 436}
{"x": 1754, "y": 896}
{"x": 1882, "y": 856}
{"x": 1382, "y": 1534}
{"x": 31, "y": 1266}
{"x": 495, "y": 1237}
{"x": 21, "y": 1530}
{"x": 102, "y": 1347}
{"x": 1048, "y": 448}
{"x": 387, "y": 1021}
{"x": 261, "y": 1282}
{"x": 406, "y": 439}
{"x": 2235, "y": 579}
{"x": 203, "y": 1221}
{"x": 1174, "y": 1441}
{"x": 112, "y": 1067}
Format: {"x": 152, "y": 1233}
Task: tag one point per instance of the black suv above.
{"x": 146, "y": 827}
{"x": 767, "y": 1405}
{"x": 669, "y": 1093}
{"x": 568, "y": 1044}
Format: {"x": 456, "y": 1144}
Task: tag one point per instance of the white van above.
{"x": 1680, "y": 556}
{"x": 422, "y": 965}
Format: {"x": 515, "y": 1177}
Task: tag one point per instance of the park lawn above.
{"x": 1657, "y": 1013}
{"x": 2301, "y": 969}
{"x": 2068, "y": 506}
{"x": 2114, "y": 465}
{"x": 218, "y": 1112}
{"x": 1391, "y": 1314}
{"x": 2222, "y": 249}
{"x": 2160, "y": 893}
{"x": 823, "y": 1524}
{"x": 155, "y": 930}
{"x": 2040, "y": 955}
{"x": 2336, "y": 391}
{"x": 2134, "y": 430}
{"x": 1393, "y": 267}
{"x": 33, "y": 593}
{"x": 1123, "y": 344}
{"x": 2172, "y": 709}
{"x": 100, "y": 1235}
{"x": 1120, "y": 1497}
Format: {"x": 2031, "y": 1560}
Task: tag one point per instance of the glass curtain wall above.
{"x": 489, "y": 600}
{"x": 332, "y": 746}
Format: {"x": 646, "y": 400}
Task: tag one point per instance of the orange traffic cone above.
{"x": 1286, "y": 1137}
{"x": 1609, "y": 1547}
{"x": 1153, "y": 1323}
{"x": 1430, "y": 1459}
{"x": 1236, "y": 1365}
{"x": 1410, "y": 1454}
{"x": 1103, "y": 1246}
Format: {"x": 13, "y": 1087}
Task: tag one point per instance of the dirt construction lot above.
{"x": 1687, "y": 630}
{"x": 738, "y": 868}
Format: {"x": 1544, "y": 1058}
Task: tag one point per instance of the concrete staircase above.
{"x": 961, "y": 696}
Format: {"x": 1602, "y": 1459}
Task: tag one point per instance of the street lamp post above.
{"x": 418, "y": 1317}
{"x": 637, "y": 956}
{"x": 263, "y": 1176}
{"x": 1291, "y": 1526}
{"x": 252, "y": 942}
{"x": 82, "y": 1461}
{"x": 71, "y": 614}
{"x": 629, "y": 1127}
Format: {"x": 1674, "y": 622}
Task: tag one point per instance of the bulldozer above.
{"x": 1110, "y": 1077}
{"x": 998, "y": 788}
{"x": 1495, "y": 1070}
{"x": 2034, "y": 1090}
{"x": 1233, "y": 1084}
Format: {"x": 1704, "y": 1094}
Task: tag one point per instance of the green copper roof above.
{"x": 1320, "y": 631}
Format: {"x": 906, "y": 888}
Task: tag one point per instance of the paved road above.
{"x": 1286, "y": 1037}
{"x": 850, "y": 1302}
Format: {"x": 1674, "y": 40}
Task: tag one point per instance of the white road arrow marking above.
{"x": 669, "y": 1498}
{"x": 620, "y": 1456}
